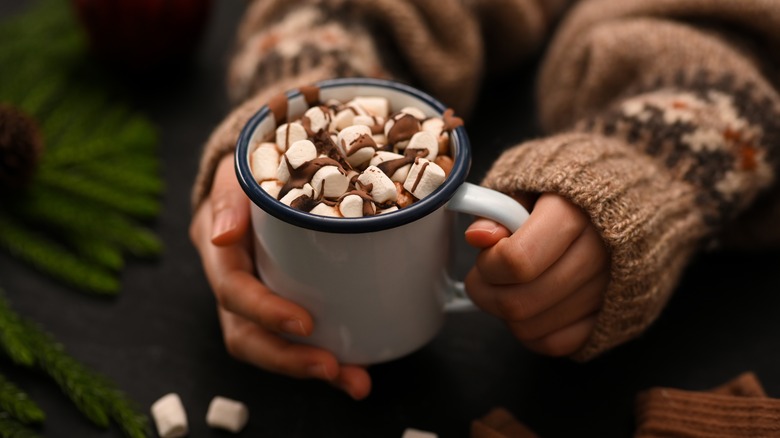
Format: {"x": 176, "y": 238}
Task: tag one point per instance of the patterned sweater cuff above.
{"x": 648, "y": 220}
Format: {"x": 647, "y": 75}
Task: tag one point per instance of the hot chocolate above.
{"x": 355, "y": 158}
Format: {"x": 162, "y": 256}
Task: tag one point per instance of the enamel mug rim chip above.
{"x": 423, "y": 207}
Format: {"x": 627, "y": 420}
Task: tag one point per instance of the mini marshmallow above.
{"x": 227, "y": 414}
{"x": 388, "y": 210}
{"x": 300, "y": 152}
{"x": 351, "y": 206}
{"x": 425, "y": 140}
{"x": 373, "y": 122}
{"x": 383, "y": 188}
{"x": 373, "y": 105}
{"x": 390, "y": 124}
{"x": 350, "y": 136}
{"x": 295, "y": 193}
{"x": 382, "y": 156}
{"x": 416, "y": 112}
{"x": 342, "y": 119}
{"x": 272, "y": 187}
{"x": 319, "y": 118}
{"x": 289, "y": 133}
{"x": 330, "y": 181}
{"x": 264, "y": 161}
{"x": 434, "y": 125}
{"x": 417, "y": 433}
{"x": 170, "y": 417}
{"x": 282, "y": 172}
{"x": 424, "y": 177}
{"x": 323, "y": 209}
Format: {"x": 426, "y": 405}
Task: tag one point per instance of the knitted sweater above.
{"x": 662, "y": 117}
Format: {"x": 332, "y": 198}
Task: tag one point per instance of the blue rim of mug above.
{"x": 419, "y": 209}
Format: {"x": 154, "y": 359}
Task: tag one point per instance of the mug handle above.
{"x": 480, "y": 201}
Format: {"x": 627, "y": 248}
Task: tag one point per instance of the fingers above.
{"x": 552, "y": 226}
{"x": 230, "y": 272}
{"x": 565, "y": 341}
{"x": 230, "y": 205}
{"x": 484, "y": 233}
{"x": 585, "y": 259}
{"x": 250, "y": 343}
{"x": 585, "y": 301}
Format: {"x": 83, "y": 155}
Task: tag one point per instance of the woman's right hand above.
{"x": 251, "y": 315}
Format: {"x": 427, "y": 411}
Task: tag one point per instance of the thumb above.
{"x": 230, "y": 206}
{"x": 484, "y": 233}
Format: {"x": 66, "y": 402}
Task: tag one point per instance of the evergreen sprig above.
{"x": 98, "y": 179}
{"x": 12, "y": 428}
{"x": 97, "y": 398}
{"x": 17, "y": 403}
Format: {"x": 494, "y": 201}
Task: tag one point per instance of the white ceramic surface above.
{"x": 376, "y": 287}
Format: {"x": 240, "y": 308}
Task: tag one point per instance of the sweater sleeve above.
{"x": 664, "y": 127}
{"x": 441, "y": 46}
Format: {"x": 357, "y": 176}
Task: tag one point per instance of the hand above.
{"x": 547, "y": 280}
{"x": 252, "y": 316}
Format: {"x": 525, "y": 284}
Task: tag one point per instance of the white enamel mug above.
{"x": 377, "y": 287}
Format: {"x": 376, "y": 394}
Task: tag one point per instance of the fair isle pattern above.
{"x": 308, "y": 40}
{"x": 718, "y": 136}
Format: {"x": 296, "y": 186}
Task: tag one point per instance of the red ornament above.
{"x": 143, "y": 34}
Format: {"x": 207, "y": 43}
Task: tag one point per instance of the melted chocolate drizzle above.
{"x": 363, "y": 141}
{"x": 303, "y": 174}
{"x": 450, "y": 120}
{"x": 390, "y": 167}
{"x": 403, "y": 129}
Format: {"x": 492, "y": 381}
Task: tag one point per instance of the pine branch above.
{"x": 12, "y": 337}
{"x": 72, "y": 214}
{"x": 17, "y": 403}
{"x": 11, "y": 428}
{"x": 135, "y": 205}
{"x": 53, "y": 259}
{"x": 97, "y": 398}
{"x": 97, "y": 251}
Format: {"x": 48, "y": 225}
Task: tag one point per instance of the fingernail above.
{"x": 293, "y": 327}
{"x": 320, "y": 371}
{"x": 222, "y": 224}
{"x": 484, "y": 226}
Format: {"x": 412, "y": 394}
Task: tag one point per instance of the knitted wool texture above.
{"x": 663, "y": 126}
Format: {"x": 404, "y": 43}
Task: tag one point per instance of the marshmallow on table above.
{"x": 382, "y": 187}
{"x": 227, "y": 414}
{"x": 289, "y": 133}
{"x": 426, "y": 141}
{"x": 424, "y": 177}
{"x": 354, "y": 135}
{"x": 170, "y": 417}
{"x": 264, "y": 161}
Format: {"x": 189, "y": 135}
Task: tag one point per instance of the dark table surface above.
{"x": 161, "y": 333}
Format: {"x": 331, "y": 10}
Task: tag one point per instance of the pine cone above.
{"x": 21, "y": 146}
